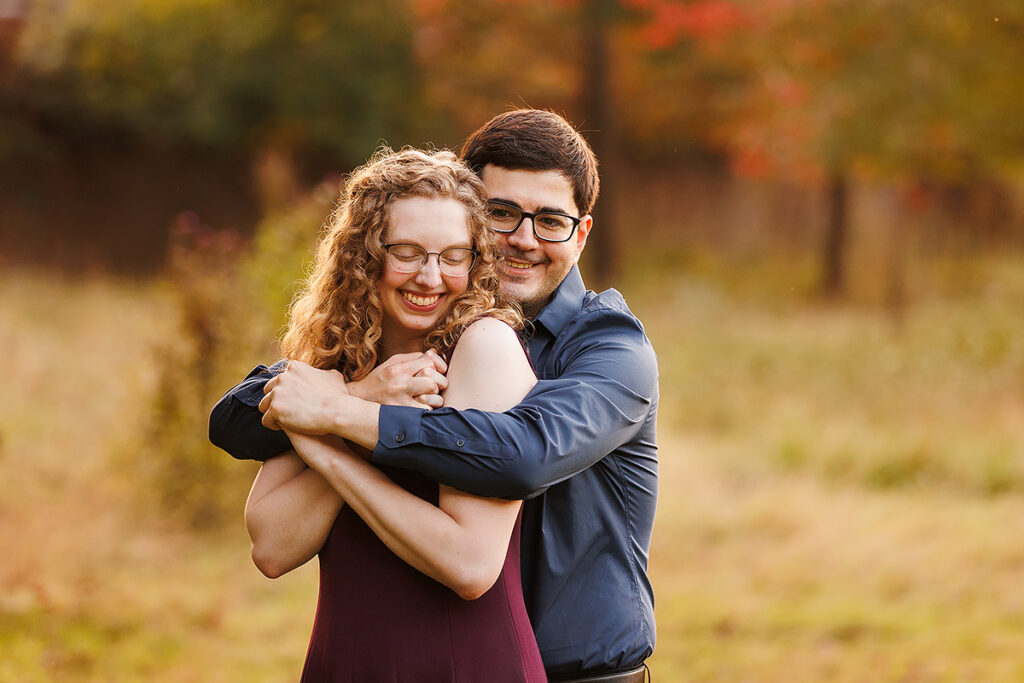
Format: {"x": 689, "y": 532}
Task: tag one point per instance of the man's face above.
{"x": 531, "y": 269}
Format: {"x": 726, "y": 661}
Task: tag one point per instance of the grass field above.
{"x": 837, "y": 502}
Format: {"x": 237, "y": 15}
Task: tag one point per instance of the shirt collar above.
{"x": 565, "y": 303}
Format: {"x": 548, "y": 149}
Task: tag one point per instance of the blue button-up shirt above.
{"x": 581, "y": 446}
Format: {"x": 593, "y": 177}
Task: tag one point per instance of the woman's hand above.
{"x": 405, "y": 379}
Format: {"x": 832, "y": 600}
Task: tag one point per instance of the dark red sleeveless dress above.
{"x": 380, "y": 620}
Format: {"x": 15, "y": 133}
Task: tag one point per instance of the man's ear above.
{"x": 582, "y": 232}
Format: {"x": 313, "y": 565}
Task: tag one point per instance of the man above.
{"x": 580, "y": 447}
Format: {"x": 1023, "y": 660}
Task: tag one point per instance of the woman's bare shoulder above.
{"x": 488, "y": 368}
{"x": 488, "y": 330}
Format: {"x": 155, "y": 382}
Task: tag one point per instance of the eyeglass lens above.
{"x": 552, "y": 227}
{"x": 410, "y": 258}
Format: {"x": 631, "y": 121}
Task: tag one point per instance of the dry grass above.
{"x": 850, "y": 394}
{"x": 784, "y": 577}
{"x": 837, "y": 484}
{"x": 93, "y": 585}
{"x": 837, "y": 502}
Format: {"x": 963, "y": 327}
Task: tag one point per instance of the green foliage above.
{"x": 282, "y": 251}
{"x": 230, "y": 73}
{"x": 886, "y": 87}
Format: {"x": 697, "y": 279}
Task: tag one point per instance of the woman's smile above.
{"x": 421, "y": 302}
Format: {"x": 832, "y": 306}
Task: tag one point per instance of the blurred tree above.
{"x": 597, "y": 19}
{"x": 821, "y": 91}
{"x": 587, "y": 59}
{"x": 274, "y": 78}
{"x": 884, "y": 89}
{"x": 490, "y": 55}
{"x": 679, "y": 74}
{"x": 314, "y": 75}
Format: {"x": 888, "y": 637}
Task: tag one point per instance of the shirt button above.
{"x": 400, "y": 437}
{"x": 460, "y": 443}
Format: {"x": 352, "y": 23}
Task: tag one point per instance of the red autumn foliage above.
{"x": 705, "y": 20}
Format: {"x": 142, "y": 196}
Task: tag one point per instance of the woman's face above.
{"x": 414, "y": 302}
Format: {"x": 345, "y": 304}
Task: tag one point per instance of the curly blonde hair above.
{"x": 335, "y": 320}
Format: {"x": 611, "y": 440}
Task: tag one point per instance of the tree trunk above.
{"x": 600, "y": 133}
{"x": 833, "y": 283}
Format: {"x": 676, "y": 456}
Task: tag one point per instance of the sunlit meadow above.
{"x": 839, "y": 488}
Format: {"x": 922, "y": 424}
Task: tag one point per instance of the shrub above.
{"x": 231, "y": 300}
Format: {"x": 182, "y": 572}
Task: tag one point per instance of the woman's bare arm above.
{"x": 291, "y": 509}
{"x": 462, "y": 542}
{"x": 289, "y": 514}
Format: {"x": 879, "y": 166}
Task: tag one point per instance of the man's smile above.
{"x": 518, "y": 265}
{"x": 520, "y": 262}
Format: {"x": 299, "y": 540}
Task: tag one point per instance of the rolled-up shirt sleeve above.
{"x": 236, "y": 422}
{"x": 607, "y": 380}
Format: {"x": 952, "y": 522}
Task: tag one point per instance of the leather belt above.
{"x": 637, "y": 675}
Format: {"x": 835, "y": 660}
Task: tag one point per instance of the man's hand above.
{"x": 302, "y": 399}
{"x": 405, "y": 379}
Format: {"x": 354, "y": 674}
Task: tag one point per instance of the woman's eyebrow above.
{"x": 464, "y": 244}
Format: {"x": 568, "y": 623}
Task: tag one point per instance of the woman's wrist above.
{"x": 355, "y": 420}
{"x": 357, "y": 388}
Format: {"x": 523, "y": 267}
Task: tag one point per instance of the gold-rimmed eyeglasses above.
{"x": 411, "y": 258}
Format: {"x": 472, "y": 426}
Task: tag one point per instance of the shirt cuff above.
{"x": 250, "y": 391}
{"x": 397, "y": 427}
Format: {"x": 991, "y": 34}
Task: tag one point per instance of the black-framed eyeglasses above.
{"x": 411, "y": 258}
{"x": 548, "y": 226}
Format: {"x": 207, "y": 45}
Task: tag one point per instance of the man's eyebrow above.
{"x": 552, "y": 209}
{"x": 543, "y": 209}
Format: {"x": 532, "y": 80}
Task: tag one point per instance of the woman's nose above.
{"x": 430, "y": 273}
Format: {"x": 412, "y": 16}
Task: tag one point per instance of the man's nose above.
{"x": 523, "y": 238}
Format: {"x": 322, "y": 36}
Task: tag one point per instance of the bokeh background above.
{"x": 816, "y": 207}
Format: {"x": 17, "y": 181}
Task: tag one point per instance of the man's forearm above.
{"x": 235, "y": 421}
{"x": 314, "y": 401}
{"x": 512, "y": 455}
{"x": 562, "y": 427}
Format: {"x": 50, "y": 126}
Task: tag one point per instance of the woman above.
{"x": 417, "y": 582}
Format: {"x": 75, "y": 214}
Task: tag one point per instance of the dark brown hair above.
{"x": 536, "y": 140}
